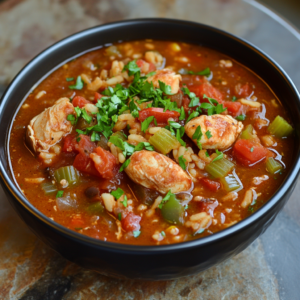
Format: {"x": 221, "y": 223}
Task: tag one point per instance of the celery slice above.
{"x": 68, "y": 173}
{"x": 120, "y": 135}
{"x": 231, "y": 182}
{"x": 172, "y": 211}
{"x": 219, "y": 168}
{"x": 280, "y": 127}
{"x": 49, "y": 188}
{"x": 163, "y": 141}
{"x": 273, "y": 166}
{"x": 95, "y": 208}
{"x": 247, "y": 133}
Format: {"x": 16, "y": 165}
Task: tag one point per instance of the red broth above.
{"x": 175, "y": 191}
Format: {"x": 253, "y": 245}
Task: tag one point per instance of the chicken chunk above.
{"x": 168, "y": 77}
{"x": 47, "y": 128}
{"x": 223, "y": 129}
{"x": 158, "y": 172}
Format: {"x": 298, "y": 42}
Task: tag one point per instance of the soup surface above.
{"x": 150, "y": 142}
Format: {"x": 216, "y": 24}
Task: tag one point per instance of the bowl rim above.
{"x": 204, "y": 241}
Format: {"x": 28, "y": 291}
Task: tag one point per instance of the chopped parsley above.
{"x": 206, "y": 154}
{"x": 252, "y": 149}
{"x": 194, "y": 114}
{"x": 132, "y": 68}
{"x": 179, "y": 135}
{"x": 124, "y": 202}
{"x": 165, "y": 88}
{"x": 165, "y": 199}
{"x": 78, "y": 85}
{"x": 119, "y": 216}
{"x": 59, "y": 194}
{"x": 163, "y": 233}
{"x": 182, "y": 114}
{"x": 95, "y": 137}
{"x": 182, "y": 162}
{"x": 197, "y": 136}
{"x": 69, "y": 78}
{"x": 205, "y": 72}
{"x": 201, "y": 230}
{"x": 146, "y": 123}
{"x": 220, "y": 155}
{"x": 125, "y": 165}
{"x": 251, "y": 209}
{"x": 213, "y": 107}
{"x": 72, "y": 119}
{"x": 136, "y": 233}
{"x": 117, "y": 193}
{"x": 234, "y": 98}
{"x": 208, "y": 134}
{"x": 194, "y": 100}
{"x": 241, "y": 117}
{"x": 140, "y": 146}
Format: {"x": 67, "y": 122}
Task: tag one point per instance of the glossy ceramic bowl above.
{"x": 147, "y": 262}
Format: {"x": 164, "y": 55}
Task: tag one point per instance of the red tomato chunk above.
{"x": 206, "y": 89}
{"x": 80, "y": 101}
{"x": 131, "y": 222}
{"x": 85, "y": 164}
{"x": 159, "y": 114}
{"x": 249, "y": 152}
{"x": 105, "y": 163}
{"x": 243, "y": 90}
{"x": 210, "y": 184}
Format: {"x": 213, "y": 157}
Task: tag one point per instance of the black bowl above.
{"x": 147, "y": 262}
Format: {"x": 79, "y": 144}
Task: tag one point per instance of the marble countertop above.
{"x": 268, "y": 269}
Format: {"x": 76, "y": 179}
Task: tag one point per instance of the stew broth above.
{"x": 205, "y": 205}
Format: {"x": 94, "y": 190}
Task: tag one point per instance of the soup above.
{"x": 150, "y": 142}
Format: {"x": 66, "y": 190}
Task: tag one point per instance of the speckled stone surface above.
{"x": 268, "y": 269}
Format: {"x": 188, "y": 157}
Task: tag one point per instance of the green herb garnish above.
{"x": 59, "y": 194}
{"x": 117, "y": 193}
{"x": 78, "y": 85}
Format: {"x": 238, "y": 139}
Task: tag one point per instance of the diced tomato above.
{"x": 76, "y": 221}
{"x": 105, "y": 163}
{"x": 85, "y": 146}
{"x": 249, "y": 152}
{"x": 140, "y": 63}
{"x": 80, "y": 101}
{"x": 131, "y": 222}
{"x": 243, "y": 90}
{"x": 159, "y": 114}
{"x": 97, "y": 97}
{"x": 69, "y": 143}
{"x": 235, "y": 108}
{"x": 152, "y": 67}
{"x": 208, "y": 206}
{"x": 207, "y": 89}
{"x": 210, "y": 184}
{"x": 85, "y": 164}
